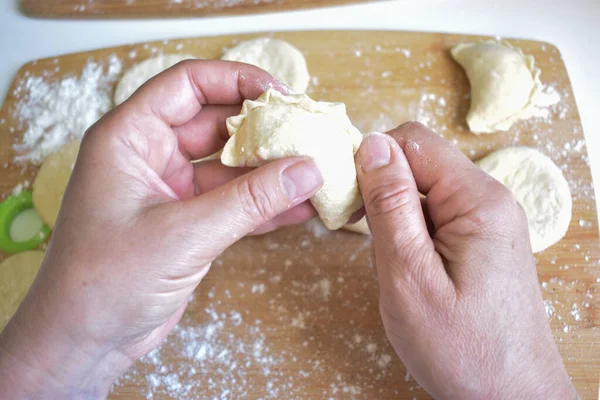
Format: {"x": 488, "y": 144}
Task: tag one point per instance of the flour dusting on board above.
{"x": 54, "y": 113}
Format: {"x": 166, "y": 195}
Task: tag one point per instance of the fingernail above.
{"x": 374, "y": 152}
{"x": 301, "y": 179}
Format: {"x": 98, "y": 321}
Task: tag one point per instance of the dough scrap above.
{"x": 539, "y": 185}
{"x": 143, "y": 71}
{"x": 276, "y": 126}
{"x": 51, "y": 181}
{"x": 277, "y": 57}
{"x": 16, "y": 276}
{"x": 505, "y": 85}
{"x": 360, "y": 227}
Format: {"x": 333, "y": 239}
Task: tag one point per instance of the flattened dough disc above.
{"x": 539, "y": 186}
{"x": 16, "y": 276}
{"x": 51, "y": 181}
{"x": 277, "y": 57}
{"x": 141, "y": 72}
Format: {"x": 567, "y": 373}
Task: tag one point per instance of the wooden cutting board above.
{"x": 293, "y": 314}
{"x": 165, "y": 8}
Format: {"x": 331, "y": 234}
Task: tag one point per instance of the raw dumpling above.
{"x": 277, "y": 57}
{"x": 539, "y": 185}
{"x": 16, "y": 276}
{"x": 51, "y": 181}
{"x": 276, "y": 126}
{"x": 141, "y": 72}
{"x": 505, "y": 85}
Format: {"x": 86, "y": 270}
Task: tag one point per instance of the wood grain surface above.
{"x": 166, "y": 8}
{"x": 294, "y": 314}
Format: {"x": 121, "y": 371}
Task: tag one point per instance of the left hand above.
{"x": 139, "y": 227}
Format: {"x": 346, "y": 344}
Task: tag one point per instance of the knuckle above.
{"x": 389, "y": 198}
{"x": 409, "y": 254}
{"x": 255, "y": 202}
{"x": 505, "y": 205}
{"x": 499, "y": 215}
{"x": 414, "y": 125}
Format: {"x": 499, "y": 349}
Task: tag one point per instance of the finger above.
{"x": 357, "y": 216}
{"x": 224, "y": 215}
{"x": 176, "y": 95}
{"x": 206, "y": 133}
{"x": 403, "y": 247}
{"x": 296, "y": 215}
{"x": 454, "y": 186}
{"x": 210, "y": 175}
{"x": 470, "y": 211}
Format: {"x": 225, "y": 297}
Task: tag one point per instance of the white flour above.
{"x": 57, "y": 112}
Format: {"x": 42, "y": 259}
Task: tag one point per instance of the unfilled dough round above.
{"x": 505, "y": 84}
{"x": 277, "y": 57}
{"x": 276, "y": 126}
{"x": 141, "y": 72}
{"x": 539, "y": 185}
{"x": 360, "y": 227}
{"x": 51, "y": 181}
{"x": 16, "y": 276}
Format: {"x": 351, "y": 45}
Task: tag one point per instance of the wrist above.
{"x": 42, "y": 361}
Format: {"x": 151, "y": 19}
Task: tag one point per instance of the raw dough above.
{"x": 360, "y": 227}
{"x": 51, "y": 181}
{"x": 539, "y": 185}
{"x": 141, "y": 72}
{"x": 277, "y": 57}
{"x": 16, "y": 276}
{"x": 276, "y": 126}
{"x": 505, "y": 85}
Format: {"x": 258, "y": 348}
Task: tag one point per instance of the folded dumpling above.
{"x": 505, "y": 84}
{"x": 276, "y": 126}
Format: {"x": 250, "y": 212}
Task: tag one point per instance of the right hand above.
{"x": 459, "y": 294}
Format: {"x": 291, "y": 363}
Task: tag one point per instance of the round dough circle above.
{"x": 539, "y": 185}
{"x": 277, "y": 57}
{"x": 16, "y": 276}
{"x": 141, "y": 72}
{"x": 51, "y": 181}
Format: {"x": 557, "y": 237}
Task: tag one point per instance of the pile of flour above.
{"x": 54, "y": 113}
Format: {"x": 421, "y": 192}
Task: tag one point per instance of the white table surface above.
{"x": 572, "y": 25}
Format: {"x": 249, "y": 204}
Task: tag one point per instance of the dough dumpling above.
{"x": 16, "y": 276}
{"x": 143, "y": 71}
{"x": 277, "y": 57}
{"x": 539, "y": 186}
{"x": 276, "y": 126}
{"x": 51, "y": 181}
{"x": 504, "y": 84}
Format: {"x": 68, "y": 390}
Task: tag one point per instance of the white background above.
{"x": 572, "y": 25}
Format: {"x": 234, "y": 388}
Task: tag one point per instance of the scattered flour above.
{"x": 258, "y": 288}
{"x": 20, "y": 187}
{"x": 57, "y": 112}
{"x": 316, "y": 227}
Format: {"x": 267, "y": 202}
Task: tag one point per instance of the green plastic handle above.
{"x": 9, "y": 209}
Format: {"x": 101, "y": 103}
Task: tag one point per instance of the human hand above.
{"x": 459, "y": 295}
{"x": 139, "y": 227}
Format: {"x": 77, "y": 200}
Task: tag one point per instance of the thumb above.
{"x": 393, "y": 206}
{"x": 229, "y": 212}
